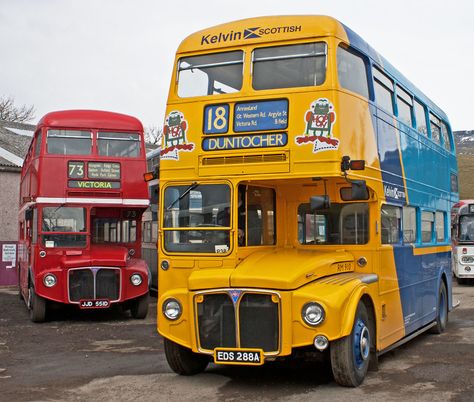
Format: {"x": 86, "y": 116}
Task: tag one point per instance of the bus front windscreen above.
{"x": 63, "y": 226}
{"x": 210, "y": 74}
{"x": 69, "y": 142}
{"x": 197, "y": 218}
{"x": 466, "y": 228}
{"x": 126, "y": 145}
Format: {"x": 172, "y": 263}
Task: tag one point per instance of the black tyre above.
{"x": 184, "y": 361}
{"x": 139, "y": 307}
{"x": 441, "y": 310}
{"x": 350, "y": 356}
{"x": 36, "y": 306}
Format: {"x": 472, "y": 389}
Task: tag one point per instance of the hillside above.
{"x": 465, "y": 150}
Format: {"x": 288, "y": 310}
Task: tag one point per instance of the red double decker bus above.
{"x": 82, "y": 196}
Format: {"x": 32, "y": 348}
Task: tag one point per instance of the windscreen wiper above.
{"x": 186, "y": 192}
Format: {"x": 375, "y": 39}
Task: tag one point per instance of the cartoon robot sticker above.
{"x": 174, "y": 136}
{"x": 319, "y": 119}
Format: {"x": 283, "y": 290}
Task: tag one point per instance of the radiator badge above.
{"x": 235, "y": 295}
{"x": 319, "y": 119}
{"x": 174, "y": 136}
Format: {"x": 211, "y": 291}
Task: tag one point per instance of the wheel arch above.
{"x": 360, "y": 294}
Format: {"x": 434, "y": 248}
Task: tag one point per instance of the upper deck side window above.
{"x": 435, "y": 128}
{"x": 38, "y": 143}
{"x": 69, "y": 142}
{"x": 118, "y": 144}
{"x": 447, "y": 143}
{"x": 289, "y": 66}
{"x": 383, "y": 87}
{"x": 420, "y": 116}
{"x": 352, "y": 71}
{"x": 210, "y": 74}
{"x": 404, "y": 106}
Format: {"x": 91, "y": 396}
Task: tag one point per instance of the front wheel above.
{"x": 139, "y": 307}
{"x": 441, "y": 310}
{"x": 350, "y": 355}
{"x": 184, "y": 361}
{"x": 36, "y": 305}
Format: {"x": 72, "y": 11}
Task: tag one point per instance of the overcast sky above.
{"x": 117, "y": 54}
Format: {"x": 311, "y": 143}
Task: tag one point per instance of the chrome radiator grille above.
{"x": 238, "y": 319}
{"x": 94, "y": 283}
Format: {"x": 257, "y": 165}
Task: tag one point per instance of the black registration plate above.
{"x": 239, "y": 356}
{"x": 96, "y": 303}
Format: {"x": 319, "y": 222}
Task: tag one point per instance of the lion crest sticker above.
{"x": 319, "y": 119}
{"x": 174, "y": 136}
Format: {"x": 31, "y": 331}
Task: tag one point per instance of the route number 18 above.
{"x": 216, "y": 119}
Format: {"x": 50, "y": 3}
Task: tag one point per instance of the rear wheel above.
{"x": 139, "y": 307}
{"x": 350, "y": 356}
{"x": 36, "y": 305}
{"x": 441, "y": 310}
{"x": 184, "y": 361}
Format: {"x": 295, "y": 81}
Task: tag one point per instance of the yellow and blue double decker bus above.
{"x": 305, "y": 191}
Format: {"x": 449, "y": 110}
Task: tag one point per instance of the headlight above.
{"x": 172, "y": 309}
{"x": 136, "y": 279}
{"x": 467, "y": 259}
{"x": 49, "y": 280}
{"x": 312, "y": 314}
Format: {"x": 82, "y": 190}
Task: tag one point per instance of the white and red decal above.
{"x": 174, "y": 136}
{"x": 319, "y": 119}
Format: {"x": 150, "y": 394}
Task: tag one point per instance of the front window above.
{"x": 118, "y": 144}
{"x": 302, "y": 65}
{"x": 197, "y": 218}
{"x": 466, "y": 228}
{"x": 64, "y": 227}
{"x": 340, "y": 224}
{"x": 210, "y": 74}
{"x": 69, "y": 142}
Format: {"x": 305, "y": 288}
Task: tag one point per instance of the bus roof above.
{"x": 267, "y": 29}
{"x": 91, "y": 119}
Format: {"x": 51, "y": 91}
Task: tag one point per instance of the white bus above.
{"x": 462, "y": 220}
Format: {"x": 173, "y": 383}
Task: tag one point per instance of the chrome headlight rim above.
{"x": 167, "y": 307}
{"x": 50, "y": 280}
{"x": 305, "y": 314}
{"x": 136, "y": 279}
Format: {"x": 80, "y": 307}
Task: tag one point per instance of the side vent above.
{"x": 244, "y": 159}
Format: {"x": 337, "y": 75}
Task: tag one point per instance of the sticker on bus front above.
{"x": 253, "y": 357}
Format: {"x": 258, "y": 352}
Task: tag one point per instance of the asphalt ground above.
{"x": 109, "y": 356}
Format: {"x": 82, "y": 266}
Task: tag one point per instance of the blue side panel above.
{"x": 389, "y": 156}
{"x": 418, "y": 279}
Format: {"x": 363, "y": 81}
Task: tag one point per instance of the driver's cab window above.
{"x": 340, "y": 224}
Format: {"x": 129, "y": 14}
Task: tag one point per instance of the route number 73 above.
{"x": 76, "y": 170}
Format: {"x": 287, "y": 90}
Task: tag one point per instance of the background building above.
{"x": 15, "y": 139}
